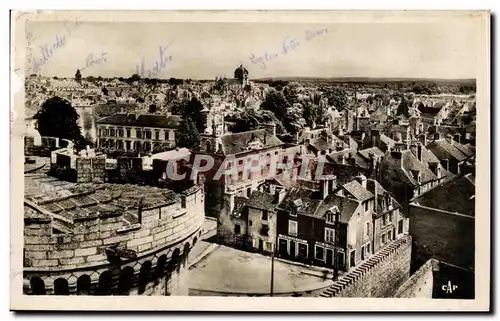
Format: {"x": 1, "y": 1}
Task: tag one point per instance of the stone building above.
{"x": 110, "y": 239}
{"x": 137, "y": 132}
{"x": 324, "y": 223}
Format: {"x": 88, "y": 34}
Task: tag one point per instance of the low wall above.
{"x": 378, "y": 277}
{"x": 420, "y": 284}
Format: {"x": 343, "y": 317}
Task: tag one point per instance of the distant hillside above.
{"x": 364, "y": 80}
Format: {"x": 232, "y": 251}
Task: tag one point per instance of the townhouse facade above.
{"x": 143, "y": 133}
{"x": 337, "y": 226}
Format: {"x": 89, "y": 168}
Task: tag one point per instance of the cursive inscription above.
{"x": 158, "y": 66}
{"x": 288, "y": 45}
{"x": 94, "y": 60}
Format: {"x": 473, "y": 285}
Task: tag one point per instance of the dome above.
{"x": 240, "y": 72}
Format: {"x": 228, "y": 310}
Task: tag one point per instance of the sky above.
{"x": 208, "y": 50}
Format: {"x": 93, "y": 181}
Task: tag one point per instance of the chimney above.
{"x": 280, "y": 195}
{"x": 362, "y": 180}
{"x": 323, "y": 188}
{"x": 438, "y": 170}
{"x": 333, "y": 184}
{"x": 423, "y": 139}
{"x": 343, "y": 159}
{"x": 419, "y": 151}
{"x": 229, "y": 196}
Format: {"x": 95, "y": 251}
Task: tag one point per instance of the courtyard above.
{"x": 232, "y": 272}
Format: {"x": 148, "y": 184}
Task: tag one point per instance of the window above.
{"x": 127, "y": 144}
{"x": 390, "y": 217}
{"x": 112, "y": 132}
{"x": 384, "y": 219}
{"x": 366, "y": 206}
{"x": 400, "y": 227}
{"x": 100, "y": 132}
{"x": 120, "y": 132}
{"x": 138, "y": 133}
{"x": 362, "y": 253}
{"x": 368, "y": 228}
{"x": 128, "y": 132}
{"x": 269, "y": 246}
{"x": 383, "y": 239}
{"x": 264, "y": 215}
{"x": 250, "y": 223}
{"x": 330, "y": 218}
{"x": 319, "y": 253}
{"x": 368, "y": 250}
{"x": 389, "y": 235}
{"x": 157, "y": 135}
{"x": 329, "y": 235}
{"x": 237, "y": 229}
{"x": 302, "y": 252}
{"x": 264, "y": 230}
{"x": 148, "y": 134}
{"x": 292, "y": 228}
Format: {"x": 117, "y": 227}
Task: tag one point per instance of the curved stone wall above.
{"x": 79, "y": 263}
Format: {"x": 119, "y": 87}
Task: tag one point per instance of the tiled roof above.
{"x": 360, "y": 193}
{"x": 143, "y": 120}
{"x": 456, "y": 196}
{"x": 235, "y": 143}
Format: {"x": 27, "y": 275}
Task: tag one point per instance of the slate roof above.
{"x": 464, "y": 149}
{"x": 309, "y": 198}
{"x": 444, "y": 150}
{"x": 347, "y": 207}
{"x": 428, "y": 156}
{"x": 412, "y": 164}
{"x": 351, "y": 157}
{"x": 360, "y": 193}
{"x": 456, "y": 196}
{"x": 234, "y": 143}
{"x": 142, "y": 120}
{"x": 371, "y": 151}
{"x": 262, "y": 200}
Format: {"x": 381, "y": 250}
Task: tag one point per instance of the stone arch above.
{"x": 161, "y": 264}
{"x": 126, "y": 280}
{"x": 105, "y": 283}
{"x": 83, "y": 285}
{"x": 37, "y": 286}
{"x": 61, "y": 287}
{"x": 185, "y": 253}
{"x": 176, "y": 259}
{"x": 144, "y": 276}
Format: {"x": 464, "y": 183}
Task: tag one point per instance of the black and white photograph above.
{"x": 264, "y": 155}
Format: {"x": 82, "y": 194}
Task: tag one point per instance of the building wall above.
{"x": 161, "y": 231}
{"x": 446, "y": 237}
{"x": 420, "y": 284}
{"x": 379, "y": 277}
{"x": 254, "y": 231}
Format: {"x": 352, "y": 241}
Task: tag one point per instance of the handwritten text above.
{"x": 158, "y": 66}
{"x": 288, "y": 45}
{"x": 94, "y": 60}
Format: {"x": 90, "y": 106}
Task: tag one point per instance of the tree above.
{"x": 193, "y": 110}
{"x": 403, "y": 108}
{"x": 313, "y": 114}
{"x": 336, "y": 97}
{"x": 187, "y": 135}
{"x": 78, "y": 76}
{"x": 134, "y": 77}
{"x": 57, "y": 118}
